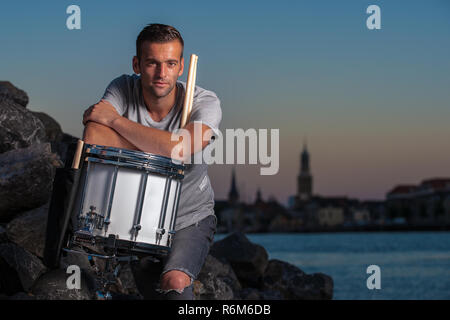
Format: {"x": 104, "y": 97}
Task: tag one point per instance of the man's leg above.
{"x": 96, "y": 133}
{"x": 187, "y": 256}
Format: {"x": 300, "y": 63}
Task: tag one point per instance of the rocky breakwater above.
{"x": 239, "y": 269}
{"x": 32, "y": 146}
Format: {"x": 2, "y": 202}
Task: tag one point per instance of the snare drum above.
{"x": 127, "y": 200}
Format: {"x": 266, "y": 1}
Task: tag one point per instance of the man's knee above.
{"x": 175, "y": 280}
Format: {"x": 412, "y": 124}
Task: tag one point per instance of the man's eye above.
{"x": 172, "y": 64}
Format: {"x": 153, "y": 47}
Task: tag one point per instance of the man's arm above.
{"x": 148, "y": 139}
{"x": 96, "y": 133}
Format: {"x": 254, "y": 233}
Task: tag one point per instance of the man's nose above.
{"x": 161, "y": 71}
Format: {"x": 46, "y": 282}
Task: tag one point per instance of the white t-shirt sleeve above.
{"x": 115, "y": 94}
{"x": 206, "y": 109}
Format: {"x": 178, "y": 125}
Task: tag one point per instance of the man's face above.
{"x": 160, "y": 65}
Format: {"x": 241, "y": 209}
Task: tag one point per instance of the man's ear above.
{"x": 136, "y": 67}
{"x": 182, "y": 67}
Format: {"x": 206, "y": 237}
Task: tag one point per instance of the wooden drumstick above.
{"x": 193, "y": 79}
{"x": 77, "y": 156}
{"x": 190, "y": 86}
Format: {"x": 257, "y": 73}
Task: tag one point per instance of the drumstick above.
{"x": 190, "y": 86}
{"x": 193, "y": 79}
{"x": 77, "y": 156}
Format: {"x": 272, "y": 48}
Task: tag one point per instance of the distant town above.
{"x": 406, "y": 208}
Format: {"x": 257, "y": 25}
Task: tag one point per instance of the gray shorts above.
{"x": 190, "y": 247}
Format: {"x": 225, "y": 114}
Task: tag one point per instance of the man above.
{"x": 141, "y": 112}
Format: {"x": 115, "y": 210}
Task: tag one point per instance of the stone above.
{"x": 9, "y": 280}
{"x": 9, "y": 92}
{"x": 52, "y": 286}
{"x": 3, "y": 235}
{"x": 19, "y": 128}
{"x": 53, "y": 131}
{"x": 247, "y": 259}
{"x": 22, "y": 264}
{"x": 146, "y": 274}
{"x": 26, "y": 179}
{"x": 295, "y": 284}
{"x": 216, "y": 281}
{"x": 28, "y": 230}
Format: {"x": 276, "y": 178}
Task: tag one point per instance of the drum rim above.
{"x": 149, "y": 168}
{"x": 140, "y": 155}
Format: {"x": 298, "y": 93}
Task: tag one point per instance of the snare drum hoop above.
{"x": 134, "y": 159}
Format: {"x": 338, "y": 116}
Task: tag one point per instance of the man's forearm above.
{"x": 147, "y": 139}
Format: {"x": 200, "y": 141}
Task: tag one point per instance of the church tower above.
{"x": 304, "y": 180}
{"x": 233, "y": 195}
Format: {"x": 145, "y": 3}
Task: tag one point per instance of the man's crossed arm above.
{"x": 104, "y": 126}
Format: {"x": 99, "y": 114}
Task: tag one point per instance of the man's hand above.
{"x": 102, "y": 112}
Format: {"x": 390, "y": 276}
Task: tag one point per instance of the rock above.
{"x": 78, "y": 259}
{"x": 250, "y": 294}
{"x": 127, "y": 283}
{"x": 255, "y": 294}
{"x": 293, "y": 283}
{"x": 27, "y": 267}
{"x": 9, "y": 280}
{"x": 19, "y": 128}
{"x": 53, "y": 130}
{"x": 216, "y": 281}
{"x": 26, "y": 177}
{"x": 22, "y": 296}
{"x": 214, "y": 289}
{"x": 3, "y": 235}
{"x": 146, "y": 274}
{"x": 247, "y": 259}
{"x": 53, "y": 286}
{"x": 28, "y": 230}
{"x": 9, "y": 92}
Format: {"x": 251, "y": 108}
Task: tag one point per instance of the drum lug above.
{"x": 136, "y": 229}
{"x": 171, "y": 234}
{"x": 106, "y": 223}
{"x": 160, "y": 231}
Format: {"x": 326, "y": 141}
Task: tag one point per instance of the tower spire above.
{"x": 233, "y": 195}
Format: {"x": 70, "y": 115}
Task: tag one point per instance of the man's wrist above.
{"x": 114, "y": 122}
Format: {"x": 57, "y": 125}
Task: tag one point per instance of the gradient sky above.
{"x": 374, "y": 105}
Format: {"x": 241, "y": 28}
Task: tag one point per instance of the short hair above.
{"x": 159, "y": 33}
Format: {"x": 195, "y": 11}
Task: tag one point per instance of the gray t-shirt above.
{"x": 197, "y": 195}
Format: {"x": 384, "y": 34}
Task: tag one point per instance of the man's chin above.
{"x": 160, "y": 93}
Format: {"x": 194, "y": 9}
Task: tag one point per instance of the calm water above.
{"x": 414, "y": 265}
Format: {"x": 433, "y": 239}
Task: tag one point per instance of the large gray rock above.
{"x": 247, "y": 259}
{"x": 22, "y": 264}
{"x": 216, "y": 281}
{"x": 9, "y": 92}
{"x": 19, "y": 128}
{"x": 28, "y": 230}
{"x": 53, "y": 286}
{"x": 26, "y": 178}
{"x": 293, "y": 283}
{"x": 53, "y": 131}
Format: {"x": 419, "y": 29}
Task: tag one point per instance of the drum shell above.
{"x": 117, "y": 192}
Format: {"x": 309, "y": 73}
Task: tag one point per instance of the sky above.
{"x": 372, "y": 105}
